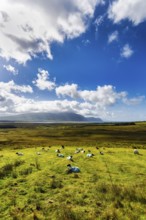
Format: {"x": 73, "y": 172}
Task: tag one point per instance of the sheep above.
{"x": 44, "y": 149}
{"x": 90, "y": 155}
{"x": 60, "y": 155}
{"x": 77, "y": 151}
{"x": 62, "y": 147}
{"x": 57, "y": 151}
{"x": 38, "y": 153}
{"x": 101, "y": 153}
{"x": 70, "y": 158}
{"x": 19, "y": 153}
{"x": 82, "y": 151}
{"x": 72, "y": 169}
{"x": 136, "y": 151}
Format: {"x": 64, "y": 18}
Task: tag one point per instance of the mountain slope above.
{"x": 50, "y": 117}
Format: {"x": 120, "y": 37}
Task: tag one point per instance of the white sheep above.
{"x": 19, "y": 153}
{"x": 101, "y": 153}
{"x": 77, "y": 151}
{"x": 69, "y": 158}
{"x": 89, "y": 155}
{"x": 38, "y": 153}
{"x": 136, "y": 151}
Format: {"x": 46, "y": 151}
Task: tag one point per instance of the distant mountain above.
{"x": 50, "y": 117}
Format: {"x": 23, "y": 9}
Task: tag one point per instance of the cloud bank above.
{"x": 30, "y": 27}
{"x": 103, "y": 96}
{"x": 69, "y": 97}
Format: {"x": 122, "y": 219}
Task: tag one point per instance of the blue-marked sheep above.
{"x": 60, "y": 155}
{"x": 72, "y": 169}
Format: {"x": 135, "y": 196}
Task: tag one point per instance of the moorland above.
{"x": 35, "y": 185}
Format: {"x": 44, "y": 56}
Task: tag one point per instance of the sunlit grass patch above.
{"x": 109, "y": 186}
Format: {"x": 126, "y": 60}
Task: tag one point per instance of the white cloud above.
{"x": 113, "y": 37}
{"x": 43, "y": 82}
{"x": 134, "y": 10}
{"x": 134, "y": 101}
{"x": 12, "y": 87}
{"x": 11, "y": 69}
{"x": 13, "y": 103}
{"x": 10, "y": 103}
{"x": 10, "y": 96}
{"x": 29, "y": 27}
{"x": 68, "y": 90}
{"x": 46, "y": 106}
{"x": 98, "y": 103}
{"x": 126, "y": 51}
{"x": 103, "y": 95}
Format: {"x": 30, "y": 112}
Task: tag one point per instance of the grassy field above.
{"x": 109, "y": 186}
{"x": 32, "y": 135}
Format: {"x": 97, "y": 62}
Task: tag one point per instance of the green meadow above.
{"x": 36, "y": 186}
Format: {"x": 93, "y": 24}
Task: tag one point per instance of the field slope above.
{"x": 36, "y": 186}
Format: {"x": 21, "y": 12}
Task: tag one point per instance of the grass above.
{"x": 32, "y": 135}
{"x": 109, "y": 186}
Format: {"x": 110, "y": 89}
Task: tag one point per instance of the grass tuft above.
{"x": 26, "y": 171}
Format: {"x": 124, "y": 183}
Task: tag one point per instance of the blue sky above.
{"x": 85, "y": 56}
